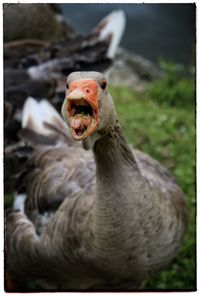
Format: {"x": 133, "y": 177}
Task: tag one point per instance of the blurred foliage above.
{"x": 176, "y": 88}
{"x": 166, "y": 131}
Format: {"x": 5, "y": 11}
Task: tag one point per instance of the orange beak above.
{"x": 82, "y": 108}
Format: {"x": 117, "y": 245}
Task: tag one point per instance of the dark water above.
{"x": 153, "y": 30}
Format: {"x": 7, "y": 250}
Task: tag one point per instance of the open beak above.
{"x": 82, "y": 110}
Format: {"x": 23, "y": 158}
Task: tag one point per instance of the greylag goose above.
{"x": 93, "y": 51}
{"x": 100, "y": 218}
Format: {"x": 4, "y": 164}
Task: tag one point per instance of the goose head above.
{"x": 88, "y": 107}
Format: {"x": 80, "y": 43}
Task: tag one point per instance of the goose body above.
{"x": 99, "y": 218}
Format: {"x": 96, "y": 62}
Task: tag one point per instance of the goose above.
{"x": 42, "y": 59}
{"x": 91, "y": 213}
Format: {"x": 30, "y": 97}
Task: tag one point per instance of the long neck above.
{"x": 112, "y": 152}
{"x": 120, "y": 185}
{"x": 115, "y": 162}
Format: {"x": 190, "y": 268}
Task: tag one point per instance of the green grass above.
{"x": 167, "y": 133}
{"x": 177, "y": 87}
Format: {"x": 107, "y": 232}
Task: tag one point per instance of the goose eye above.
{"x": 67, "y": 85}
{"x": 103, "y": 84}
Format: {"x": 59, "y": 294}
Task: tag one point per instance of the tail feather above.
{"x": 35, "y": 114}
{"x": 112, "y": 27}
{"x": 41, "y": 123}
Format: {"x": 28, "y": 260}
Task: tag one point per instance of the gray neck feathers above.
{"x": 112, "y": 151}
{"x": 119, "y": 182}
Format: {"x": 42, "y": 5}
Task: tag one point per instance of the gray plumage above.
{"x": 99, "y": 219}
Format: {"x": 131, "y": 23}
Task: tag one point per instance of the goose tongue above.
{"x": 80, "y": 121}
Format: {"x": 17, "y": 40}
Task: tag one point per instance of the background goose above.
{"x": 50, "y": 58}
{"x": 95, "y": 219}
